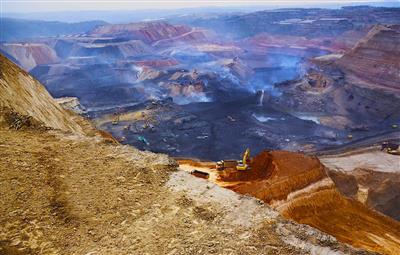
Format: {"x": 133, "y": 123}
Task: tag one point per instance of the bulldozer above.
{"x": 244, "y": 164}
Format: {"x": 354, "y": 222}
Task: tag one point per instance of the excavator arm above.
{"x": 243, "y": 165}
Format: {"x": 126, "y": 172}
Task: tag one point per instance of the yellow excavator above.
{"x": 244, "y": 163}
{"x": 115, "y": 120}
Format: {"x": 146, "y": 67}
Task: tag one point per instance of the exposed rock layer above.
{"x": 29, "y": 55}
{"x": 21, "y": 93}
{"x": 376, "y": 58}
{"x": 298, "y": 187}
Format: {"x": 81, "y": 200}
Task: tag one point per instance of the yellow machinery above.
{"x": 244, "y": 163}
{"x": 116, "y": 119}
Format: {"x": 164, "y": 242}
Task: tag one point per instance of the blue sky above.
{"x": 104, "y": 5}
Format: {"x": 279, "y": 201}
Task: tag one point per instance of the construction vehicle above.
{"x": 116, "y": 119}
{"x": 227, "y": 163}
{"x": 391, "y": 148}
{"x": 200, "y": 174}
{"x": 244, "y": 164}
{"x": 240, "y": 165}
{"x": 143, "y": 140}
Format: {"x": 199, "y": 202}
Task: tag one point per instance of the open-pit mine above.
{"x": 258, "y": 132}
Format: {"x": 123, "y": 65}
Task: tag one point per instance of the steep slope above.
{"x": 30, "y": 55}
{"x": 368, "y": 175}
{"x": 360, "y": 88}
{"x": 105, "y": 50}
{"x": 22, "y": 94}
{"x": 376, "y": 58}
{"x": 300, "y": 189}
{"x": 148, "y": 32}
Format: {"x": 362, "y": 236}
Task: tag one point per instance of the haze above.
{"x": 26, "y": 6}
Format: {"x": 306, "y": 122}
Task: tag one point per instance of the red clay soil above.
{"x": 298, "y": 186}
{"x": 274, "y": 175}
{"x": 382, "y": 188}
{"x": 194, "y": 162}
{"x": 348, "y": 220}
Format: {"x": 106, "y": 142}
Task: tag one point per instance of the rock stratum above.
{"x": 357, "y": 88}
{"x": 375, "y": 58}
{"x": 30, "y": 55}
{"x": 299, "y": 187}
{"x": 22, "y": 94}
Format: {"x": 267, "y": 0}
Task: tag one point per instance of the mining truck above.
{"x": 227, "y": 163}
{"x": 240, "y": 165}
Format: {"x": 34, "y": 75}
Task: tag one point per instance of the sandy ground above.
{"x": 68, "y": 194}
{"x": 373, "y": 159}
{"x": 310, "y": 199}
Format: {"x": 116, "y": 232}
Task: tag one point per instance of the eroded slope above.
{"x": 22, "y": 94}
{"x": 300, "y": 189}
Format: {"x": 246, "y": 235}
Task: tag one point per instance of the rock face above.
{"x": 148, "y": 32}
{"x": 22, "y": 94}
{"x": 359, "y": 88}
{"x": 375, "y": 58}
{"x": 70, "y": 103}
{"x": 29, "y": 55}
{"x": 378, "y": 190}
{"x": 110, "y": 50}
{"x": 300, "y": 189}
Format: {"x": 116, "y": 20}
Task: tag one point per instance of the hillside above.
{"x": 67, "y": 193}
{"x": 376, "y": 58}
{"x": 146, "y": 31}
{"x": 29, "y": 55}
{"x": 22, "y": 94}
{"x": 299, "y": 187}
{"x": 358, "y": 88}
{"x": 20, "y": 29}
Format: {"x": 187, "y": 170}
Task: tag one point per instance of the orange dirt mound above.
{"x": 346, "y": 219}
{"x": 274, "y": 175}
{"x": 299, "y": 187}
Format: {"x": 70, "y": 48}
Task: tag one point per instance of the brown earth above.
{"x": 378, "y": 190}
{"x": 70, "y": 194}
{"x": 30, "y": 55}
{"x": 300, "y": 189}
{"x": 64, "y": 192}
{"x": 358, "y": 88}
{"x": 146, "y": 31}
{"x": 23, "y": 94}
{"x": 375, "y": 58}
